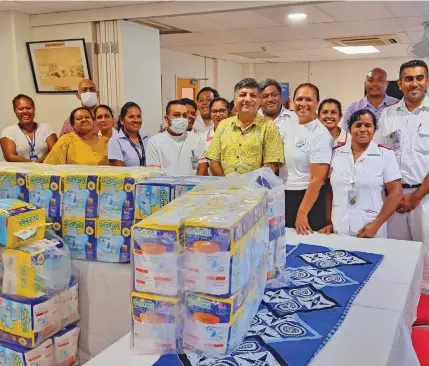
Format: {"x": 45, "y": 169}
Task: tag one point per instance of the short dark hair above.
{"x": 207, "y": 88}
{"x": 187, "y": 101}
{"x": 73, "y": 112}
{"x": 220, "y": 99}
{"x": 173, "y": 102}
{"x": 21, "y": 96}
{"x": 333, "y": 101}
{"x": 246, "y": 83}
{"x": 105, "y": 107}
{"x": 361, "y": 112}
{"x": 231, "y": 106}
{"x": 308, "y": 85}
{"x": 268, "y": 82}
{"x": 413, "y": 63}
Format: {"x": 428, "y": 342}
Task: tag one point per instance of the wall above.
{"x": 181, "y": 65}
{"x": 227, "y": 75}
{"x": 55, "y": 108}
{"x": 341, "y": 79}
{"x": 141, "y": 72}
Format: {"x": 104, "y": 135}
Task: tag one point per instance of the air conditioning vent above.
{"x": 380, "y": 40}
{"x": 258, "y": 54}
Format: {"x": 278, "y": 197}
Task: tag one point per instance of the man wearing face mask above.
{"x": 88, "y": 95}
{"x": 176, "y": 151}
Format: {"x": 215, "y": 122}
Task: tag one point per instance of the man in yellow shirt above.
{"x": 247, "y": 141}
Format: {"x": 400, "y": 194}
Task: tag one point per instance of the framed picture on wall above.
{"x": 58, "y": 66}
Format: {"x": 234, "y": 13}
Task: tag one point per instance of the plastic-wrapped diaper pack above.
{"x": 45, "y": 192}
{"x": 69, "y": 303}
{"x": 80, "y": 197}
{"x": 156, "y": 324}
{"x": 113, "y": 240}
{"x": 215, "y": 325}
{"x": 66, "y": 352}
{"x": 14, "y": 355}
{"x": 157, "y": 247}
{"x": 151, "y": 196}
{"x": 79, "y": 235}
{"x": 20, "y": 222}
{"x": 225, "y": 242}
{"x": 13, "y": 181}
{"x": 42, "y": 267}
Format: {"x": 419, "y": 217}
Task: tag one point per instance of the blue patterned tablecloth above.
{"x": 300, "y": 312}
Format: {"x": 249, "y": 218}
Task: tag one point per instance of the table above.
{"x": 374, "y": 333}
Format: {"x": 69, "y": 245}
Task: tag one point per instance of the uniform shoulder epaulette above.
{"x": 342, "y": 143}
{"x": 384, "y": 146}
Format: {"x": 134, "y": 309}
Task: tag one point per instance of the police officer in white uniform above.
{"x": 330, "y": 114}
{"x": 360, "y": 171}
{"x": 308, "y": 151}
{"x": 272, "y": 106}
{"x": 404, "y": 127}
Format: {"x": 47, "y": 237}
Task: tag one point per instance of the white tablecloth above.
{"x": 374, "y": 333}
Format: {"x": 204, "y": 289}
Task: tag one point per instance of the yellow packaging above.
{"x": 20, "y": 222}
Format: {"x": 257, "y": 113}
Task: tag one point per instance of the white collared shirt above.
{"x": 283, "y": 119}
{"x": 363, "y": 179}
{"x": 173, "y": 154}
{"x": 407, "y": 133}
{"x": 304, "y": 144}
{"x": 200, "y": 127}
{"x": 342, "y": 138}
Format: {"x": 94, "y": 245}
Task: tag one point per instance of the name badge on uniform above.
{"x": 194, "y": 161}
{"x": 33, "y": 156}
{"x": 396, "y": 140}
{"x": 301, "y": 142}
{"x": 352, "y": 194}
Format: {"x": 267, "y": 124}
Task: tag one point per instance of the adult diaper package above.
{"x": 80, "y": 236}
{"x": 14, "y": 355}
{"x": 20, "y": 223}
{"x": 157, "y": 247}
{"x": 13, "y": 182}
{"x": 113, "y": 240}
{"x": 80, "y": 197}
{"x": 216, "y": 325}
{"x": 66, "y": 352}
{"x": 69, "y": 303}
{"x": 40, "y": 268}
{"x": 116, "y": 198}
{"x": 157, "y": 324}
{"x": 151, "y": 196}
{"x": 225, "y": 242}
{"x": 29, "y": 322}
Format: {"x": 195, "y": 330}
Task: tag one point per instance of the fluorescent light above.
{"x": 297, "y": 16}
{"x": 353, "y": 50}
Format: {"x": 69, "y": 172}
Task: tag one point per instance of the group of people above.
{"x": 363, "y": 174}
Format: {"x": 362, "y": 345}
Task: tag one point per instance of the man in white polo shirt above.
{"x": 272, "y": 106}
{"x": 203, "y": 122}
{"x": 177, "y": 151}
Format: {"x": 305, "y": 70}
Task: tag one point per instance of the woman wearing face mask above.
{"x": 82, "y": 146}
{"x": 308, "y": 151}
{"x": 27, "y": 140}
{"x": 129, "y": 146}
{"x": 360, "y": 171}
{"x": 104, "y": 119}
{"x": 330, "y": 114}
{"x": 177, "y": 151}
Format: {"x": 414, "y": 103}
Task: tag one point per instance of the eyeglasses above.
{"x": 218, "y": 111}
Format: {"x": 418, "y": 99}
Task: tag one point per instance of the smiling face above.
{"x": 271, "y": 101}
{"x": 203, "y": 103}
{"x": 305, "y": 104}
{"x": 104, "y": 119}
{"x": 362, "y": 131}
{"x": 218, "y": 112}
{"x": 24, "y": 111}
{"x": 133, "y": 120}
{"x": 413, "y": 83}
{"x": 376, "y": 83}
{"x": 247, "y": 100}
{"x": 329, "y": 116}
{"x": 83, "y": 122}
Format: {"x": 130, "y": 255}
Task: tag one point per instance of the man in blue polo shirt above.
{"x": 376, "y": 98}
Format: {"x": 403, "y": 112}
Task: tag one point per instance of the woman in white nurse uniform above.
{"x": 360, "y": 171}
{"x": 330, "y": 114}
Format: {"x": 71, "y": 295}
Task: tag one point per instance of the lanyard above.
{"x": 31, "y": 144}
{"x": 142, "y": 156}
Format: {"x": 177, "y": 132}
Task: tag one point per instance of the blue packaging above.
{"x": 80, "y": 197}
{"x": 45, "y": 192}
{"x": 80, "y": 236}
{"x": 151, "y": 196}
{"x": 113, "y": 240}
{"x": 13, "y": 355}
{"x": 13, "y": 185}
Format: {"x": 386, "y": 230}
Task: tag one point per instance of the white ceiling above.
{"x": 220, "y": 35}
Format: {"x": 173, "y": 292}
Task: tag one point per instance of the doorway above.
{"x": 187, "y": 88}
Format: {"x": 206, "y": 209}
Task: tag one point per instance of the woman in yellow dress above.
{"x": 82, "y": 146}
